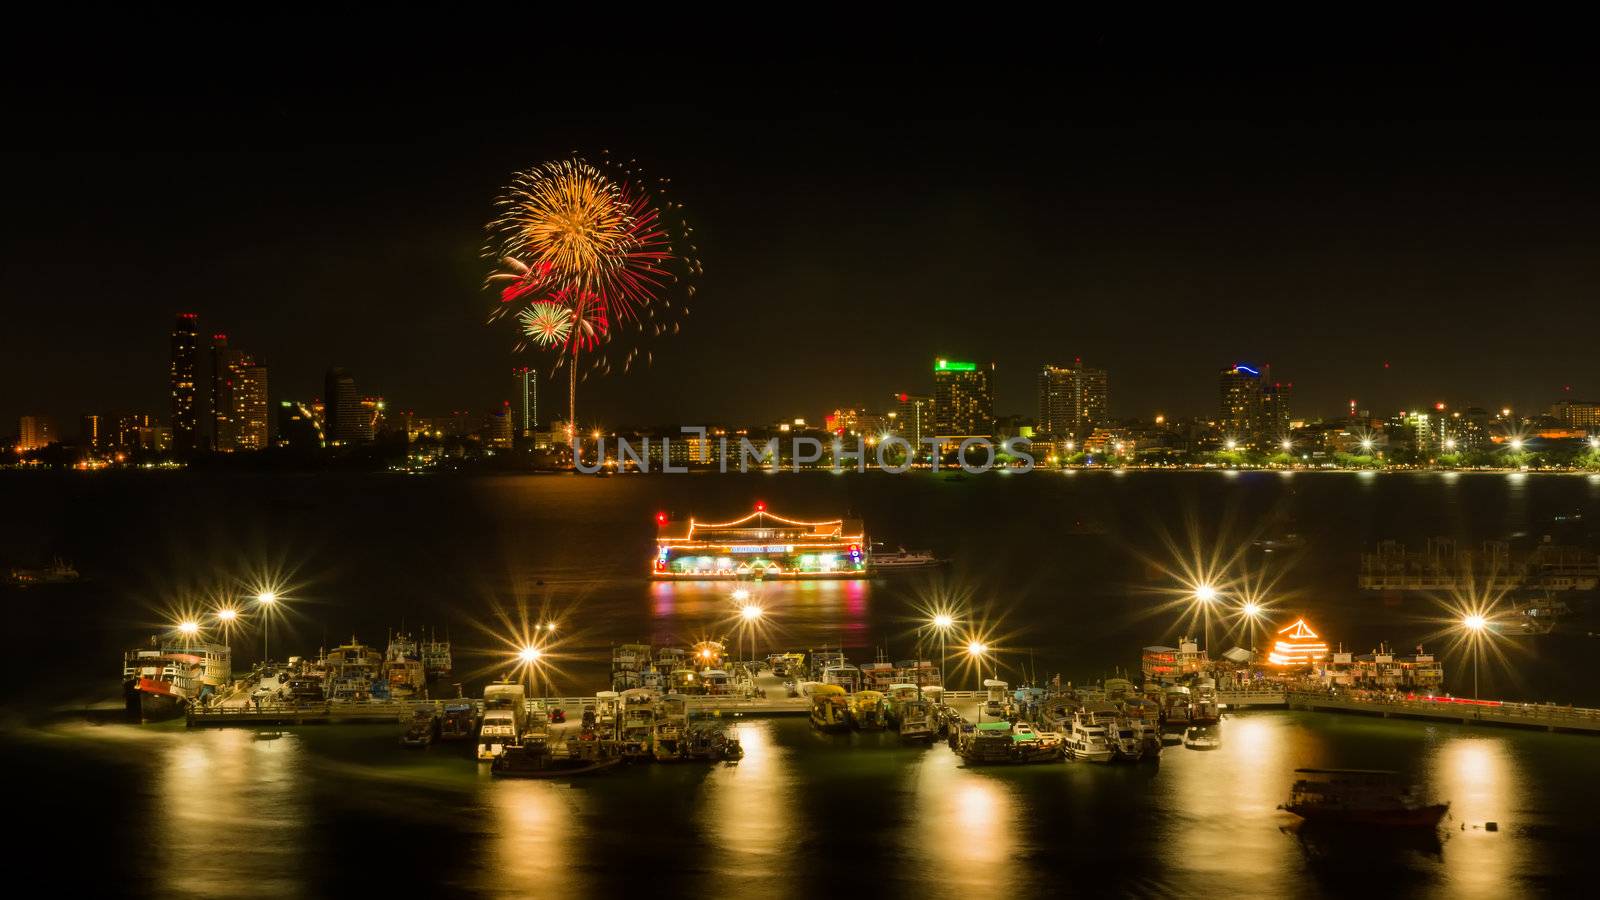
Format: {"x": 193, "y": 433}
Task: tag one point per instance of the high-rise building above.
{"x": 94, "y": 434}
{"x": 1073, "y": 400}
{"x": 525, "y": 385}
{"x": 963, "y": 400}
{"x": 238, "y": 398}
{"x": 913, "y": 418}
{"x": 185, "y": 422}
{"x": 136, "y": 432}
{"x": 299, "y": 427}
{"x": 37, "y": 432}
{"x": 347, "y": 422}
{"x": 1272, "y": 423}
{"x": 1240, "y": 402}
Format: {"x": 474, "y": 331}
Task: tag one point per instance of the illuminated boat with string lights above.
{"x": 758, "y": 546}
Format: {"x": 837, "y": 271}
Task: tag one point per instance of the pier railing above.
{"x": 1456, "y": 709}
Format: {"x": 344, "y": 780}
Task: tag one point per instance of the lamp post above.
{"x": 268, "y": 600}
{"x": 751, "y": 614}
{"x": 942, "y": 623}
{"x": 977, "y": 649}
{"x": 1475, "y": 623}
{"x": 1207, "y": 595}
{"x": 530, "y": 656}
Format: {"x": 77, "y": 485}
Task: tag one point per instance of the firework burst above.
{"x": 546, "y": 323}
{"x": 593, "y": 241}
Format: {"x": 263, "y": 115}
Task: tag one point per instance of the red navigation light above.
{"x": 761, "y": 506}
{"x": 661, "y": 518}
{"x": 902, "y": 398}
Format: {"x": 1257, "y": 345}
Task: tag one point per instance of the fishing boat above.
{"x": 830, "y": 708}
{"x": 899, "y": 696}
{"x": 436, "y": 659}
{"x": 672, "y": 720}
{"x": 1363, "y": 797}
{"x": 844, "y": 676}
{"x": 504, "y": 713}
{"x": 1203, "y": 708}
{"x": 355, "y": 672}
{"x": 419, "y": 732}
{"x": 58, "y": 572}
{"x": 1088, "y": 740}
{"x": 996, "y": 699}
{"x": 636, "y": 726}
{"x": 1031, "y": 746}
{"x": 986, "y": 743}
{"x": 459, "y": 722}
{"x": 538, "y": 759}
{"x": 707, "y": 740}
{"x": 868, "y": 711}
{"x": 1175, "y": 712}
{"x": 917, "y": 724}
{"x": 1202, "y": 737}
{"x": 158, "y": 684}
{"x": 403, "y": 668}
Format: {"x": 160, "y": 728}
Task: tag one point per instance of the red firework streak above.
{"x": 642, "y": 271}
{"x": 529, "y": 281}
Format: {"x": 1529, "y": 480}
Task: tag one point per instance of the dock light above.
{"x": 1286, "y": 444}
{"x": 1251, "y": 609}
{"x": 705, "y": 654}
{"x": 1594, "y": 443}
{"x": 188, "y": 627}
{"x": 227, "y": 614}
{"x": 1474, "y": 622}
{"x": 1449, "y": 443}
{"x": 266, "y": 598}
{"x": 1205, "y": 593}
{"x": 1231, "y": 444}
{"x": 977, "y": 648}
{"x": 530, "y": 655}
{"x": 1366, "y": 443}
{"x": 750, "y": 613}
{"x": 741, "y": 595}
{"x": 549, "y": 626}
{"x": 942, "y": 621}
{"x": 1516, "y": 444}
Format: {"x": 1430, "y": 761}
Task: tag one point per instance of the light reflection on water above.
{"x": 230, "y": 813}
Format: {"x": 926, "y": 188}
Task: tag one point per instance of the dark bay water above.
{"x": 327, "y": 810}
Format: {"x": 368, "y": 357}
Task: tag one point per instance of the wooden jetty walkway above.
{"x": 1548, "y": 717}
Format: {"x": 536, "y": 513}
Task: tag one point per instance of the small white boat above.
{"x": 888, "y": 560}
{"x": 1088, "y": 740}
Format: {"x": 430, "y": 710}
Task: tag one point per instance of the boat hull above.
{"x": 1418, "y": 817}
{"x": 151, "y": 705}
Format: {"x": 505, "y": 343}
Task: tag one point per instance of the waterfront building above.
{"x": 963, "y": 399}
{"x": 1073, "y": 400}
{"x": 760, "y": 544}
{"x": 913, "y": 417}
{"x": 525, "y": 395}
{"x": 135, "y": 432}
{"x": 238, "y": 398}
{"x": 1253, "y": 410}
{"x": 1413, "y": 432}
{"x": 374, "y": 416}
{"x": 185, "y": 346}
{"x": 346, "y": 422}
{"x": 497, "y": 430}
{"x": 1583, "y": 414}
{"x": 37, "y": 432}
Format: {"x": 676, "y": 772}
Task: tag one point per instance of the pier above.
{"x": 1456, "y": 709}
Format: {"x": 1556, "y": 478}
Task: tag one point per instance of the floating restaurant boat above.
{"x": 759, "y": 545}
{"x": 1361, "y": 797}
{"x": 58, "y": 572}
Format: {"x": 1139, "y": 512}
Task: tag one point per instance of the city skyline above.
{"x": 1136, "y": 220}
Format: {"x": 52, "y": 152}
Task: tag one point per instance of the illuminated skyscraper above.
{"x": 1072, "y": 400}
{"x": 525, "y": 384}
{"x": 913, "y": 418}
{"x": 37, "y": 433}
{"x": 185, "y": 344}
{"x": 963, "y": 401}
{"x": 238, "y": 398}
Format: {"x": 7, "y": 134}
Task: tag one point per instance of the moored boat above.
{"x": 830, "y": 708}
{"x": 868, "y": 711}
{"x": 1362, "y": 797}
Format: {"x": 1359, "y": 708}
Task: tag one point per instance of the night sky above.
{"x": 1160, "y": 206}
